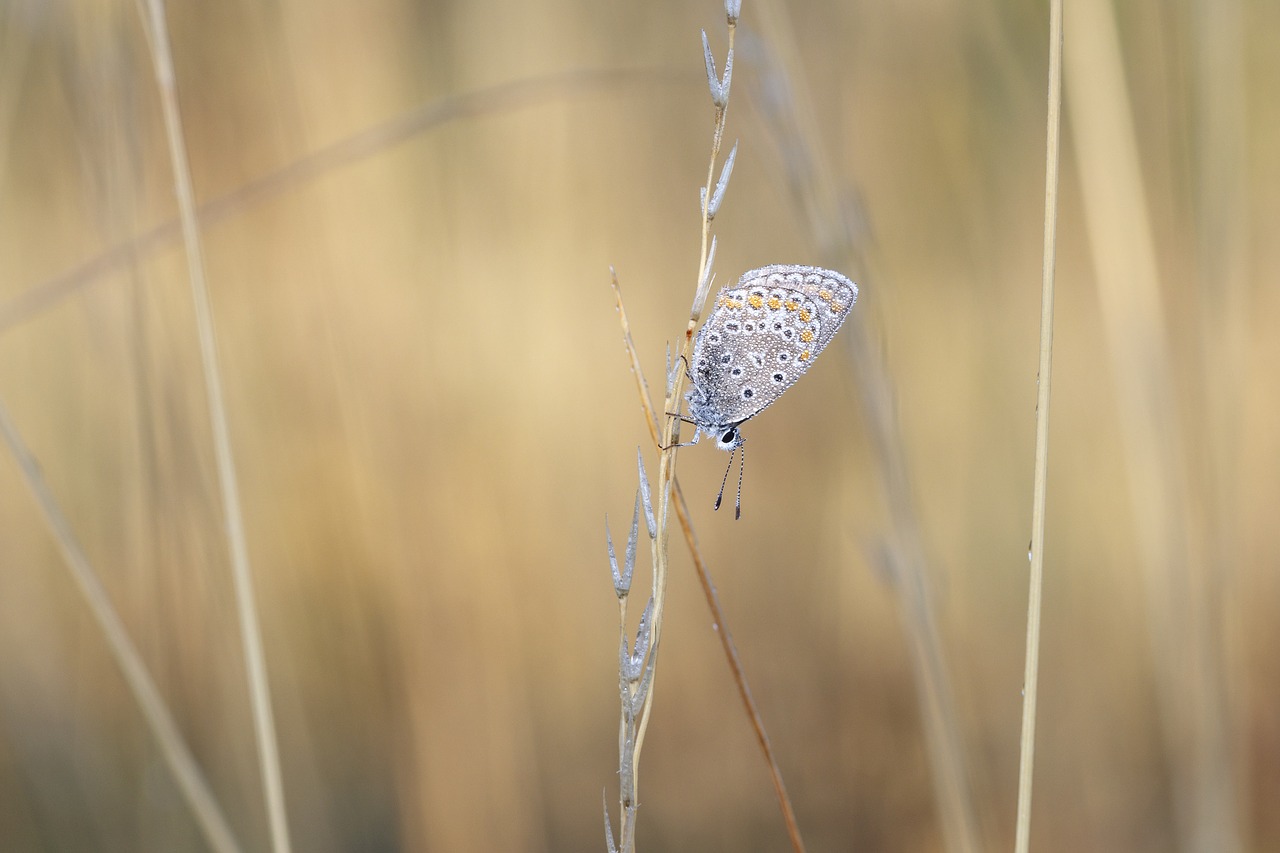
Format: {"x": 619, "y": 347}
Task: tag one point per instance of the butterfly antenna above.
{"x": 742, "y": 466}
{"x": 720, "y": 495}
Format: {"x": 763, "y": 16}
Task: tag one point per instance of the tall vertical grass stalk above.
{"x": 709, "y": 592}
{"x": 1188, "y": 665}
{"x": 173, "y": 748}
{"x": 250, "y": 632}
{"x": 637, "y": 667}
{"x": 1026, "y": 763}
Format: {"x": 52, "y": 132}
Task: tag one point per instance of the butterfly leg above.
{"x": 697, "y": 433}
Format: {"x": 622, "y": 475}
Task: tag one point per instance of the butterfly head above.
{"x": 728, "y": 438}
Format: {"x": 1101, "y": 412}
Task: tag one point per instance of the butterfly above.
{"x": 761, "y": 336}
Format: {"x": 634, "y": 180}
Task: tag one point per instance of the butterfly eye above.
{"x": 729, "y": 435}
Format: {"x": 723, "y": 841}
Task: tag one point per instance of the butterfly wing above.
{"x": 762, "y": 335}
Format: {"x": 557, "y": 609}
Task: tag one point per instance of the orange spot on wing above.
{"x": 806, "y": 335}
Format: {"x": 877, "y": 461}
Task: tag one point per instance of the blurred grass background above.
{"x": 431, "y": 412}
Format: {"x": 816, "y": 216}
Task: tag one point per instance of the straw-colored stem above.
{"x": 173, "y": 748}
{"x": 1026, "y": 764}
{"x": 625, "y": 814}
{"x": 671, "y": 425}
{"x": 709, "y": 591}
{"x": 250, "y": 631}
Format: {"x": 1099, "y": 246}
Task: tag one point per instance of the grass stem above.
{"x": 709, "y": 591}
{"x": 173, "y": 747}
{"x": 250, "y": 630}
{"x": 1026, "y": 763}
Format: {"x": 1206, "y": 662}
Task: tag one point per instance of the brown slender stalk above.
{"x": 709, "y": 591}
{"x": 637, "y": 685}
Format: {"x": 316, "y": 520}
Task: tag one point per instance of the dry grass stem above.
{"x": 169, "y": 739}
{"x": 250, "y": 631}
{"x": 712, "y": 195}
{"x": 1026, "y": 764}
{"x": 709, "y": 591}
{"x": 675, "y": 390}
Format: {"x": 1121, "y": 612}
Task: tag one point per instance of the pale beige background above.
{"x": 431, "y": 412}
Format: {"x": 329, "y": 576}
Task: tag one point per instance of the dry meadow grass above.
{"x": 409, "y": 214}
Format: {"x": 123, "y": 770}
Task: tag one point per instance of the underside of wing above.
{"x": 763, "y": 334}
